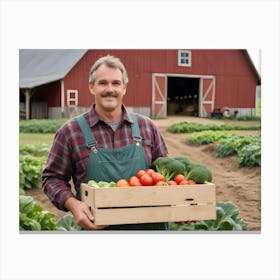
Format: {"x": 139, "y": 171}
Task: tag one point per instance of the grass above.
{"x": 36, "y": 138}
{"x": 258, "y": 106}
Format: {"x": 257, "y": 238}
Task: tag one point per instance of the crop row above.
{"x": 247, "y": 148}
{"x": 41, "y": 126}
{"x": 189, "y": 127}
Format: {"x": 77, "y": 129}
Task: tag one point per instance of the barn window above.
{"x": 72, "y": 97}
{"x": 184, "y": 58}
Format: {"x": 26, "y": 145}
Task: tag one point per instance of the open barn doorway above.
{"x": 182, "y": 96}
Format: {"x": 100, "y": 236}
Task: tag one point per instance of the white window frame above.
{"x": 189, "y": 55}
{"x": 70, "y": 99}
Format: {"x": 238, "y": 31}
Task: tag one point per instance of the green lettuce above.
{"x": 67, "y": 223}
{"x": 226, "y": 219}
{"x": 32, "y": 216}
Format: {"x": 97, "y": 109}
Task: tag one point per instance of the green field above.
{"x": 36, "y": 138}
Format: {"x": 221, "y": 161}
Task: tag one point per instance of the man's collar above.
{"x": 94, "y": 118}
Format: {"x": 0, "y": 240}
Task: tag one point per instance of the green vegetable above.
{"x": 30, "y": 171}
{"x": 175, "y": 167}
{"x": 184, "y": 160}
{"x": 169, "y": 167}
{"x": 188, "y": 127}
{"x": 67, "y": 223}
{"x": 101, "y": 184}
{"x": 226, "y": 219}
{"x": 207, "y": 137}
{"x": 92, "y": 183}
{"x": 250, "y": 155}
{"x": 32, "y": 216}
{"x": 112, "y": 184}
{"x": 27, "y": 223}
{"x": 247, "y": 148}
{"x": 200, "y": 174}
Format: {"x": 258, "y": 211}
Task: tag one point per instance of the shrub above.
{"x": 41, "y": 126}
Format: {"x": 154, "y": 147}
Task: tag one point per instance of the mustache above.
{"x": 109, "y": 94}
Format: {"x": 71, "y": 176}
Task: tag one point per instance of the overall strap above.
{"x": 135, "y": 129}
{"x": 91, "y": 142}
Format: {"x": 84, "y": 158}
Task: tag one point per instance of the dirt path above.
{"x": 239, "y": 185}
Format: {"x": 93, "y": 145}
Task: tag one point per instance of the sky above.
{"x": 255, "y": 55}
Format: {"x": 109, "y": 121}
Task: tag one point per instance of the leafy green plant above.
{"x": 30, "y": 170}
{"x": 248, "y": 149}
{"x": 207, "y": 137}
{"x": 239, "y": 118}
{"x": 34, "y": 150}
{"x": 41, "y": 125}
{"x": 67, "y": 223}
{"x": 226, "y": 219}
{"x": 227, "y": 147}
{"x": 186, "y": 127}
{"x": 32, "y": 216}
{"x": 250, "y": 155}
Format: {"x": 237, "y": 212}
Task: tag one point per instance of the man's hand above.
{"x": 82, "y": 214}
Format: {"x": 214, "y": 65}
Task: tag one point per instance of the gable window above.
{"x": 184, "y": 58}
{"x": 72, "y": 98}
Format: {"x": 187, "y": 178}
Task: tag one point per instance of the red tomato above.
{"x": 192, "y": 182}
{"x": 172, "y": 183}
{"x": 134, "y": 181}
{"x": 160, "y": 183}
{"x": 179, "y": 177}
{"x": 157, "y": 177}
{"x": 150, "y": 171}
{"x": 184, "y": 182}
{"x": 140, "y": 173}
{"x": 146, "y": 180}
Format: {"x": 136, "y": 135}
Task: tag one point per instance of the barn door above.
{"x": 207, "y": 96}
{"x": 159, "y": 96}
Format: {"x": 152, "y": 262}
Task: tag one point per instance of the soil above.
{"x": 242, "y": 186}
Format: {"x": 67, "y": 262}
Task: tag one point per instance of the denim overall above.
{"x": 114, "y": 164}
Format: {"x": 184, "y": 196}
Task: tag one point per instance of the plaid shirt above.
{"x": 69, "y": 154}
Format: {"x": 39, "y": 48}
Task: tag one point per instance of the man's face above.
{"x": 108, "y": 88}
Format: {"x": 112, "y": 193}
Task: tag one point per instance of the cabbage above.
{"x": 226, "y": 219}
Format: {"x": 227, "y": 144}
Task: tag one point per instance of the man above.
{"x": 105, "y": 143}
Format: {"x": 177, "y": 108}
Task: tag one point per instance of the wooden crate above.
{"x": 133, "y": 205}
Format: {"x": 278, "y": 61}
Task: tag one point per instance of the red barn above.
{"x": 54, "y": 83}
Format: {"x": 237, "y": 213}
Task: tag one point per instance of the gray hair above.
{"x": 110, "y": 61}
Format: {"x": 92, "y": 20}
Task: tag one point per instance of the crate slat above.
{"x": 149, "y": 196}
{"x": 153, "y": 214}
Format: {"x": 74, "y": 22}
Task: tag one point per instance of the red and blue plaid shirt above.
{"x": 69, "y": 154}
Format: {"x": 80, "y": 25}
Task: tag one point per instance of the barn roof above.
{"x": 42, "y": 66}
